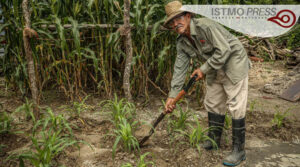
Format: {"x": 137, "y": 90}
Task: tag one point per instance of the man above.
{"x": 226, "y": 69}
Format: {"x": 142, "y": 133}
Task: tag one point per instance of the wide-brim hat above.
{"x": 172, "y": 10}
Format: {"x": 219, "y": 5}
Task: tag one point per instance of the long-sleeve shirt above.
{"x": 216, "y": 46}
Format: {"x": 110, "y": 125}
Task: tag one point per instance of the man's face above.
{"x": 180, "y": 23}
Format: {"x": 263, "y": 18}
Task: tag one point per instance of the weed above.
{"x": 124, "y": 133}
{"x": 141, "y": 162}
{"x": 279, "y": 117}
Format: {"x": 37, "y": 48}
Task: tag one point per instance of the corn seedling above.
{"x": 5, "y": 123}
{"x": 179, "y": 123}
{"x": 1, "y": 148}
{"x": 79, "y": 107}
{"x": 141, "y": 162}
{"x": 118, "y": 109}
{"x": 27, "y": 108}
{"x": 279, "y": 118}
{"x": 76, "y": 109}
{"x": 227, "y": 126}
{"x": 127, "y": 165}
{"x": 124, "y": 133}
{"x": 46, "y": 145}
{"x": 197, "y": 135}
{"x": 54, "y": 136}
{"x": 252, "y": 105}
{"x": 57, "y": 122}
{"x": 228, "y": 121}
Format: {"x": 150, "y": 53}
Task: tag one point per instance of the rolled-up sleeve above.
{"x": 221, "y": 53}
{"x": 180, "y": 69}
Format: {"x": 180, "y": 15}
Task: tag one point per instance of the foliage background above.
{"x": 76, "y": 58}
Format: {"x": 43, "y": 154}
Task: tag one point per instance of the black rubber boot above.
{"x": 216, "y": 123}
{"x": 238, "y": 153}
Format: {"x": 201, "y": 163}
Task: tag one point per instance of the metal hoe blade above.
{"x": 160, "y": 117}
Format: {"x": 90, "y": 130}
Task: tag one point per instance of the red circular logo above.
{"x": 284, "y": 18}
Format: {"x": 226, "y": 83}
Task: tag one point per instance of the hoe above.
{"x": 163, "y": 114}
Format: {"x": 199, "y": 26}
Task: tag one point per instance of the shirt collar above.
{"x": 193, "y": 27}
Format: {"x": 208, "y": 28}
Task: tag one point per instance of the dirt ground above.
{"x": 266, "y": 146}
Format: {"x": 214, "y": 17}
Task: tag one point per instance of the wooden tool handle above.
{"x": 184, "y": 90}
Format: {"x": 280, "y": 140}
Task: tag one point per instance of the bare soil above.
{"x": 266, "y": 145}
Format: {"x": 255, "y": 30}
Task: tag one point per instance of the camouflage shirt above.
{"x": 216, "y": 47}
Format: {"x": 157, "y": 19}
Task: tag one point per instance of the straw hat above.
{"x": 172, "y": 10}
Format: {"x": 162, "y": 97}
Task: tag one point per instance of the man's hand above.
{"x": 169, "y": 107}
{"x": 199, "y": 73}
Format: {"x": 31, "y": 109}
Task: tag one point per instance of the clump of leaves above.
{"x": 57, "y": 122}
{"x": 124, "y": 133}
{"x": 279, "y": 118}
{"x": 180, "y": 121}
{"x": 252, "y": 105}
{"x": 47, "y": 147}
{"x": 197, "y": 135}
{"x": 27, "y": 108}
{"x": 78, "y": 107}
{"x": 1, "y": 148}
{"x": 228, "y": 121}
{"x": 5, "y": 123}
{"x": 141, "y": 162}
{"x": 49, "y": 142}
{"x": 119, "y": 109}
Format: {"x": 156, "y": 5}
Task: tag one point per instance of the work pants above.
{"x": 223, "y": 95}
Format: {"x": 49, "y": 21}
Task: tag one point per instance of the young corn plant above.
{"x": 46, "y": 145}
{"x": 57, "y": 122}
{"x": 197, "y": 135}
{"x": 227, "y": 126}
{"x": 27, "y": 109}
{"x": 279, "y": 118}
{"x": 5, "y": 123}
{"x": 227, "y": 122}
{"x": 252, "y": 106}
{"x": 118, "y": 109}
{"x": 141, "y": 162}
{"x": 180, "y": 121}
{"x": 79, "y": 107}
{"x": 50, "y": 136}
{"x": 76, "y": 109}
{"x": 1, "y": 148}
{"x": 124, "y": 134}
